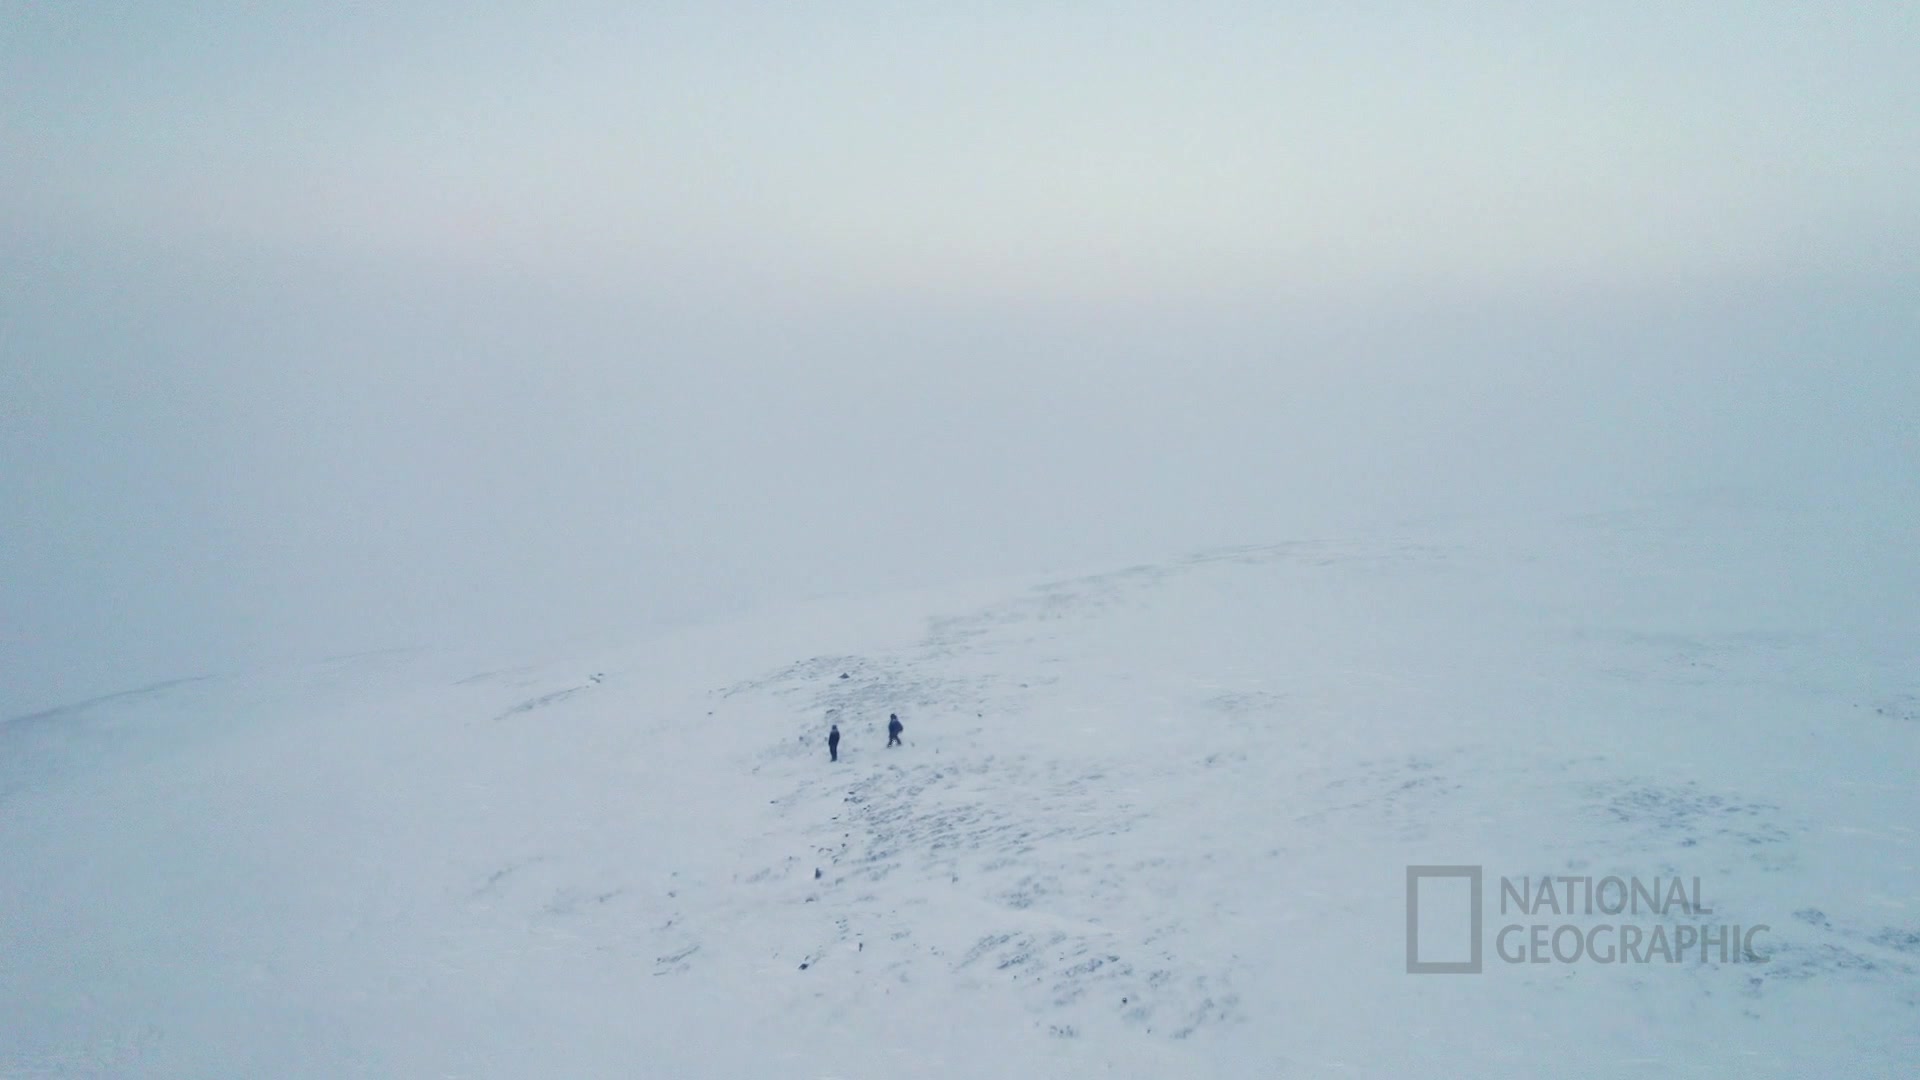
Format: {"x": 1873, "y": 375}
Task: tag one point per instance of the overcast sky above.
{"x": 441, "y": 323}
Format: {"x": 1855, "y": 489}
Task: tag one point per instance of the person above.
{"x": 894, "y": 728}
{"x": 833, "y": 743}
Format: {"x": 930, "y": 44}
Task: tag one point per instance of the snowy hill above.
{"x": 1152, "y": 822}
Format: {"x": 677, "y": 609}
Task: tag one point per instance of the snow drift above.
{"x": 1149, "y": 822}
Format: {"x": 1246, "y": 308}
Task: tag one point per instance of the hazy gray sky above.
{"x": 325, "y": 329}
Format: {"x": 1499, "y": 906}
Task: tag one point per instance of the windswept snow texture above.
{"x": 1151, "y": 823}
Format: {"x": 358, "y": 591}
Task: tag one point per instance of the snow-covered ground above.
{"x": 1151, "y": 822}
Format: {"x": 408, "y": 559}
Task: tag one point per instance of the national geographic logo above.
{"x": 1609, "y": 920}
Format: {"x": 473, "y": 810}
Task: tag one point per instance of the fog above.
{"x": 324, "y": 332}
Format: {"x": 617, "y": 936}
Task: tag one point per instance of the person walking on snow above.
{"x": 833, "y": 744}
{"x": 894, "y": 728}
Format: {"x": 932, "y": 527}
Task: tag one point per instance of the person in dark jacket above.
{"x": 894, "y": 728}
{"x": 833, "y": 744}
